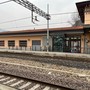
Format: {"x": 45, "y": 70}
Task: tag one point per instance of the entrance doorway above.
{"x": 58, "y": 43}
{"x": 67, "y": 44}
{"x": 73, "y": 44}
{"x": 36, "y": 45}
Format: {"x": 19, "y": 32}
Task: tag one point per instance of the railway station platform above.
{"x": 78, "y": 56}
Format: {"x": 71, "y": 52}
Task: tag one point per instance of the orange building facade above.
{"x": 60, "y": 39}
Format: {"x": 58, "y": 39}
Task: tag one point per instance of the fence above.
{"x": 53, "y": 49}
{"x": 35, "y": 48}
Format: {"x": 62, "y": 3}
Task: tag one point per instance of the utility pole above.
{"x": 48, "y": 18}
{"x": 33, "y": 8}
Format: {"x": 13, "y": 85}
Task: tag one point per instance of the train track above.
{"x": 49, "y": 63}
{"x": 26, "y": 84}
{"x": 83, "y": 64}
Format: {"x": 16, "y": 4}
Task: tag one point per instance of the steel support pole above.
{"x": 48, "y": 18}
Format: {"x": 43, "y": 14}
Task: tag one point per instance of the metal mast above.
{"x": 48, "y": 18}
{"x": 36, "y": 10}
{"x": 32, "y": 7}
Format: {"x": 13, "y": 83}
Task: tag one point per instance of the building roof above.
{"x": 42, "y": 30}
{"x": 81, "y": 7}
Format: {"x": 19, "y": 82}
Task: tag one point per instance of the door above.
{"x": 36, "y": 45}
{"x": 58, "y": 43}
{"x": 73, "y": 44}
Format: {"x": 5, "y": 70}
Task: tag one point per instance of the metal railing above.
{"x": 35, "y": 48}
{"x": 53, "y": 49}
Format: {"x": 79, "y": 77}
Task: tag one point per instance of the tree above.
{"x": 76, "y": 21}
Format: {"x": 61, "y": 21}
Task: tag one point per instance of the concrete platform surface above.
{"x": 52, "y": 54}
{"x": 3, "y": 87}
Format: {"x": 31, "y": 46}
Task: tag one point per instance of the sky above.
{"x": 16, "y": 17}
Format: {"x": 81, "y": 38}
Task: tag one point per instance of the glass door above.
{"x": 73, "y": 44}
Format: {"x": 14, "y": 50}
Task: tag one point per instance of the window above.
{"x": 23, "y": 43}
{"x": 11, "y": 43}
{"x": 1, "y": 42}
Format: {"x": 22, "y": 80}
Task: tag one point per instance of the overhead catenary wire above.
{"x": 14, "y": 20}
{"x": 64, "y": 13}
{"x": 5, "y": 2}
{"x": 30, "y": 17}
{"x": 34, "y": 25}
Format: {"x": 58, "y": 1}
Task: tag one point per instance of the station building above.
{"x": 84, "y": 12}
{"x": 68, "y": 39}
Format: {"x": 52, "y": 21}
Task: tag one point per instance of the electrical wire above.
{"x": 5, "y": 2}
{"x": 30, "y": 17}
{"x": 63, "y": 13}
{"x": 15, "y": 20}
{"x": 35, "y": 25}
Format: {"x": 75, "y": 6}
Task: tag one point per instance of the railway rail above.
{"x": 75, "y": 63}
{"x": 19, "y": 83}
{"x": 62, "y": 72}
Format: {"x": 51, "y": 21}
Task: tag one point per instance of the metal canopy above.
{"x": 66, "y": 32}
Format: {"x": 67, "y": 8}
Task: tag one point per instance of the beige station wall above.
{"x": 82, "y": 43}
{"x": 88, "y": 40}
{"x": 28, "y": 38}
{"x": 87, "y": 15}
{"x": 85, "y": 43}
{"x": 87, "y": 18}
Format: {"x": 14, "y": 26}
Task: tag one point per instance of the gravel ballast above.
{"x": 70, "y": 77}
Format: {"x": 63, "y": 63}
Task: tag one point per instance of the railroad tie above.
{"x": 25, "y": 85}
{"x": 1, "y": 76}
{"x": 3, "y": 79}
{"x": 46, "y": 88}
{"x": 15, "y": 84}
{"x": 9, "y": 81}
{"x": 35, "y": 87}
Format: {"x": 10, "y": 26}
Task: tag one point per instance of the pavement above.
{"x": 77, "y": 56}
{"x": 3, "y": 87}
